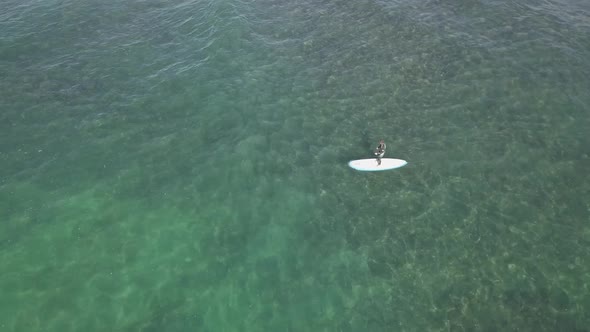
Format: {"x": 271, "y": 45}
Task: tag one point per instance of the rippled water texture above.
{"x": 181, "y": 166}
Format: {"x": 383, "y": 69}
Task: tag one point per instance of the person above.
{"x": 380, "y": 151}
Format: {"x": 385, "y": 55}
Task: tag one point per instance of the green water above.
{"x": 181, "y": 165}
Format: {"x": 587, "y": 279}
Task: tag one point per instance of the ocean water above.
{"x": 181, "y": 165}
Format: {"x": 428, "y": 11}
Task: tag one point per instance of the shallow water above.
{"x": 181, "y": 165}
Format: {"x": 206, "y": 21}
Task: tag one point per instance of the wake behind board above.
{"x": 371, "y": 165}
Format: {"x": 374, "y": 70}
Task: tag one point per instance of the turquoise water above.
{"x": 181, "y": 165}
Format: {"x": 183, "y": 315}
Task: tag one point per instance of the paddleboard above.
{"x": 370, "y": 165}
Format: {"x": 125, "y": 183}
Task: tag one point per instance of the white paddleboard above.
{"x": 371, "y": 165}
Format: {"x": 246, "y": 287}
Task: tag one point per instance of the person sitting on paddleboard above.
{"x": 380, "y": 151}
